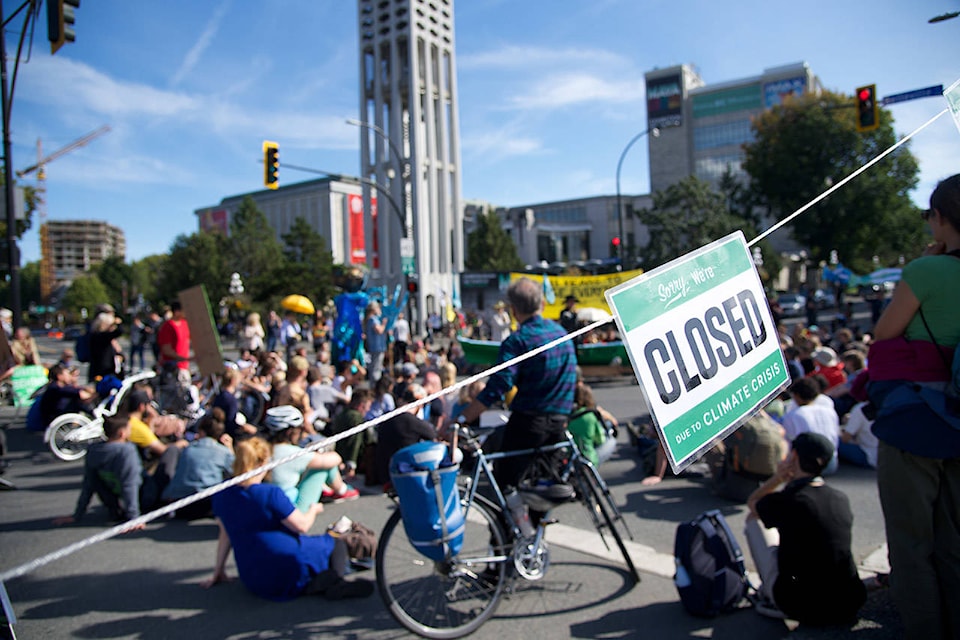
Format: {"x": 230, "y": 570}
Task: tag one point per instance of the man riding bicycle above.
{"x": 545, "y": 383}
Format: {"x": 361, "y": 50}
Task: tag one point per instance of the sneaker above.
{"x": 327, "y": 495}
{"x": 358, "y": 588}
{"x": 349, "y": 494}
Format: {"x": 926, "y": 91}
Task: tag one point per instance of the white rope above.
{"x": 360, "y": 428}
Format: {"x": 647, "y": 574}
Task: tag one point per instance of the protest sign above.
{"x": 702, "y": 343}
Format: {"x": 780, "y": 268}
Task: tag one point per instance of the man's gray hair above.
{"x": 526, "y": 296}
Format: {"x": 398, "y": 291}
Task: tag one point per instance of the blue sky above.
{"x": 550, "y": 92}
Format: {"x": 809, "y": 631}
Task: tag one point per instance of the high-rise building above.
{"x": 76, "y": 246}
{"x": 410, "y": 146}
{"x": 703, "y": 127}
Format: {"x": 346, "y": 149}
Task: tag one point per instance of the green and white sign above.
{"x": 703, "y": 344}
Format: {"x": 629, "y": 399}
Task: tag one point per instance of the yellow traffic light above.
{"x": 271, "y": 165}
{"x": 868, "y": 111}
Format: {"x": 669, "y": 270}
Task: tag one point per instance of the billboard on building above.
{"x": 215, "y": 220}
{"x": 664, "y": 101}
{"x": 358, "y": 251}
{"x": 776, "y": 92}
{"x": 715, "y": 103}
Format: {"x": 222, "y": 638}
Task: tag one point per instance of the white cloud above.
{"x": 495, "y": 144}
{"x": 577, "y": 88}
{"x": 525, "y": 58}
{"x": 201, "y": 45}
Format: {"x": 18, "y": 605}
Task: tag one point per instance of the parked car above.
{"x": 74, "y": 331}
{"x": 793, "y": 304}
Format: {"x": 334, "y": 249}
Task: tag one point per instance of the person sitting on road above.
{"x": 401, "y": 431}
{"x": 812, "y": 412}
{"x": 323, "y": 397}
{"x": 112, "y": 471}
{"x": 351, "y": 447}
{"x": 303, "y": 479}
{"x": 588, "y": 429}
{"x": 63, "y": 395}
{"x": 206, "y": 462}
{"x": 275, "y": 557}
{"x": 800, "y": 537}
{"x": 160, "y": 458}
{"x": 237, "y": 427}
{"x": 294, "y": 392}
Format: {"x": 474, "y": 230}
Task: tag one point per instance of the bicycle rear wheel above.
{"x": 447, "y": 599}
{"x": 604, "y": 512}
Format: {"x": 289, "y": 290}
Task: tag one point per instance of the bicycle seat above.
{"x": 543, "y": 496}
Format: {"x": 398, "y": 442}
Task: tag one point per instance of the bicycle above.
{"x": 453, "y": 597}
{"x": 69, "y": 435}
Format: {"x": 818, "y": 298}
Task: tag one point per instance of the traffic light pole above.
{"x": 13, "y": 252}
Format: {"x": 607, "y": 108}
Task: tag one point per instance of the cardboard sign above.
{"x": 204, "y": 338}
{"x": 703, "y": 345}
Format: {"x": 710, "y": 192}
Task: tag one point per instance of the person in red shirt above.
{"x": 828, "y": 364}
{"x": 174, "y": 340}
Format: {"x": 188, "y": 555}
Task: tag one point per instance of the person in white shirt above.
{"x": 401, "y": 338}
{"x": 500, "y": 323}
{"x": 858, "y": 445}
{"x": 809, "y": 415}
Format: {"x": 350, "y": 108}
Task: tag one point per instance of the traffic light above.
{"x": 868, "y": 111}
{"x": 271, "y": 165}
{"x": 60, "y": 19}
{"x": 616, "y": 241}
{"x": 411, "y": 284}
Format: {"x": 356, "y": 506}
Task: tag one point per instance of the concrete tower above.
{"x": 410, "y": 148}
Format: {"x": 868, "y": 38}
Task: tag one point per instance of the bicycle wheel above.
{"x": 71, "y": 434}
{"x": 446, "y": 599}
{"x": 604, "y": 511}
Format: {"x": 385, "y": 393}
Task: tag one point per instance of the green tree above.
{"x": 195, "y": 259}
{"x": 254, "y": 251}
{"x": 810, "y": 143}
{"x": 117, "y": 276}
{"x": 306, "y": 267}
{"x": 86, "y": 292}
{"x": 490, "y": 247}
{"x": 146, "y": 274}
{"x": 685, "y": 216}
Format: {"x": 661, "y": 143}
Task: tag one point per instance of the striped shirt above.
{"x": 546, "y": 382}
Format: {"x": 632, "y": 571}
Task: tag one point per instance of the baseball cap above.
{"x": 409, "y": 369}
{"x": 814, "y": 451}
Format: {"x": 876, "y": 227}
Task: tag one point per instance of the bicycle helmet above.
{"x": 279, "y": 419}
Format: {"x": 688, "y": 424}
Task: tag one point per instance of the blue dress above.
{"x": 273, "y": 562}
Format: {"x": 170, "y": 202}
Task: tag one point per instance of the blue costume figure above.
{"x": 347, "y": 343}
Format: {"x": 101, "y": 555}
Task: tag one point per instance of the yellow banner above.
{"x": 588, "y": 289}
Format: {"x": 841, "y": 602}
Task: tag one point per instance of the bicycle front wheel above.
{"x": 446, "y": 599}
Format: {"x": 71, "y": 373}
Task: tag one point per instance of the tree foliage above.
{"x": 86, "y": 292}
{"x": 195, "y": 259}
{"x": 685, "y": 216}
{"x": 490, "y": 247}
{"x": 253, "y": 250}
{"x": 810, "y": 143}
{"x": 306, "y": 267}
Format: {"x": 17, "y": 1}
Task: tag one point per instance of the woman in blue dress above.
{"x": 275, "y": 557}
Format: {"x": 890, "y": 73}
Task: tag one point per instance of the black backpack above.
{"x": 711, "y": 577}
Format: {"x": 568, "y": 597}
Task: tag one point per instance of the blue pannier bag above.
{"x": 425, "y": 480}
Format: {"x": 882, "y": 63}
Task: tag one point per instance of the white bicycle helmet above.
{"x": 279, "y": 419}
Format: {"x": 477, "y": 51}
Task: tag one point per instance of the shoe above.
{"x": 349, "y": 494}
{"x": 327, "y": 495}
{"x": 358, "y": 588}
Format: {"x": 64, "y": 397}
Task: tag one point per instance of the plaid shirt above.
{"x": 546, "y": 382}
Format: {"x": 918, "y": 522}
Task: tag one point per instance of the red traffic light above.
{"x": 868, "y": 111}
{"x": 615, "y": 241}
{"x": 864, "y": 94}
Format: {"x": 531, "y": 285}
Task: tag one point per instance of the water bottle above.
{"x": 681, "y": 578}
{"x": 520, "y": 514}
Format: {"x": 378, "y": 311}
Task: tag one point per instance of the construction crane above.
{"x": 46, "y": 259}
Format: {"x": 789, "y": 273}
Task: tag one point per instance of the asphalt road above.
{"x": 145, "y": 585}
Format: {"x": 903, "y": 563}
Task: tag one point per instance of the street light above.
{"x": 655, "y": 131}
